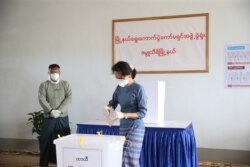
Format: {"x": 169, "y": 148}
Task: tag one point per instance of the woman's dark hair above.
{"x": 124, "y": 68}
{"x": 54, "y": 66}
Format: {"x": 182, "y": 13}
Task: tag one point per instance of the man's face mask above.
{"x": 122, "y": 82}
{"x": 54, "y": 77}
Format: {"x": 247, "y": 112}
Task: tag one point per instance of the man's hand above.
{"x": 55, "y": 113}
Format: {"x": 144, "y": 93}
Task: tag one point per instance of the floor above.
{"x": 31, "y": 159}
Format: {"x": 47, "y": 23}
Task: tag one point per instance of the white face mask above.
{"x": 122, "y": 82}
{"x": 54, "y": 77}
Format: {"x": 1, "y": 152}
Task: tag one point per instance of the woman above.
{"x": 132, "y": 99}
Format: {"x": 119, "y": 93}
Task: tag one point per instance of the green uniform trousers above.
{"x": 51, "y": 128}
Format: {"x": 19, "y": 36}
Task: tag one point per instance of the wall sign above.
{"x": 170, "y": 44}
{"x": 237, "y": 65}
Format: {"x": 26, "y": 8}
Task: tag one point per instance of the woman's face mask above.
{"x": 54, "y": 77}
{"x": 122, "y": 82}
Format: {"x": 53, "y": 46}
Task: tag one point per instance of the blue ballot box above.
{"x": 89, "y": 150}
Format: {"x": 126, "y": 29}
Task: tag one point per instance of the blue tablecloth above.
{"x": 162, "y": 147}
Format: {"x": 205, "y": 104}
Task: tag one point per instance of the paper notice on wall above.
{"x": 237, "y": 65}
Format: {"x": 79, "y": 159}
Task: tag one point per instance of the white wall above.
{"x": 77, "y": 35}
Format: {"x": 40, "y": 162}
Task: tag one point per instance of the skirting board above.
{"x": 204, "y": 154}
{"x": 19, "y": 144}
{"x": 224, "y": 156}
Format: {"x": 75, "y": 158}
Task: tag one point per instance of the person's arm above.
{"x": 68, "y": 98}
{"x": 42, "y": 99}
{"x": 142, "y": 103}
{"x": 114, "y": 101}
{"x": 130, "y": 115}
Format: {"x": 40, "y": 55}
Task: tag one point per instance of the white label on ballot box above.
{"x": 74, "y": 157}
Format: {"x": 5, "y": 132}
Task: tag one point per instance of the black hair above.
{"x": 124, "y": 68}
{"x": 54, "y": 66}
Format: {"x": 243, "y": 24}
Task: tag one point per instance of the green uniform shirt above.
{"x": 55, "y": 96}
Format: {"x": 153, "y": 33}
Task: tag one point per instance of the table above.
{"x": 169, "y": 144}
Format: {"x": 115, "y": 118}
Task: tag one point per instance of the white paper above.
{"x": 237, "y": 65}
{"x": 155, "y": 91}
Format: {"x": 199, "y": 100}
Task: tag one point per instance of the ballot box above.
{"x": 89, "y": 150}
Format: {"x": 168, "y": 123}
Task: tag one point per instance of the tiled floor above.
{"x": 31, "y": 159}
{"x": 213, "y": 164}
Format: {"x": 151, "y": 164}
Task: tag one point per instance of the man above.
{"x": 55, "y": 97}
